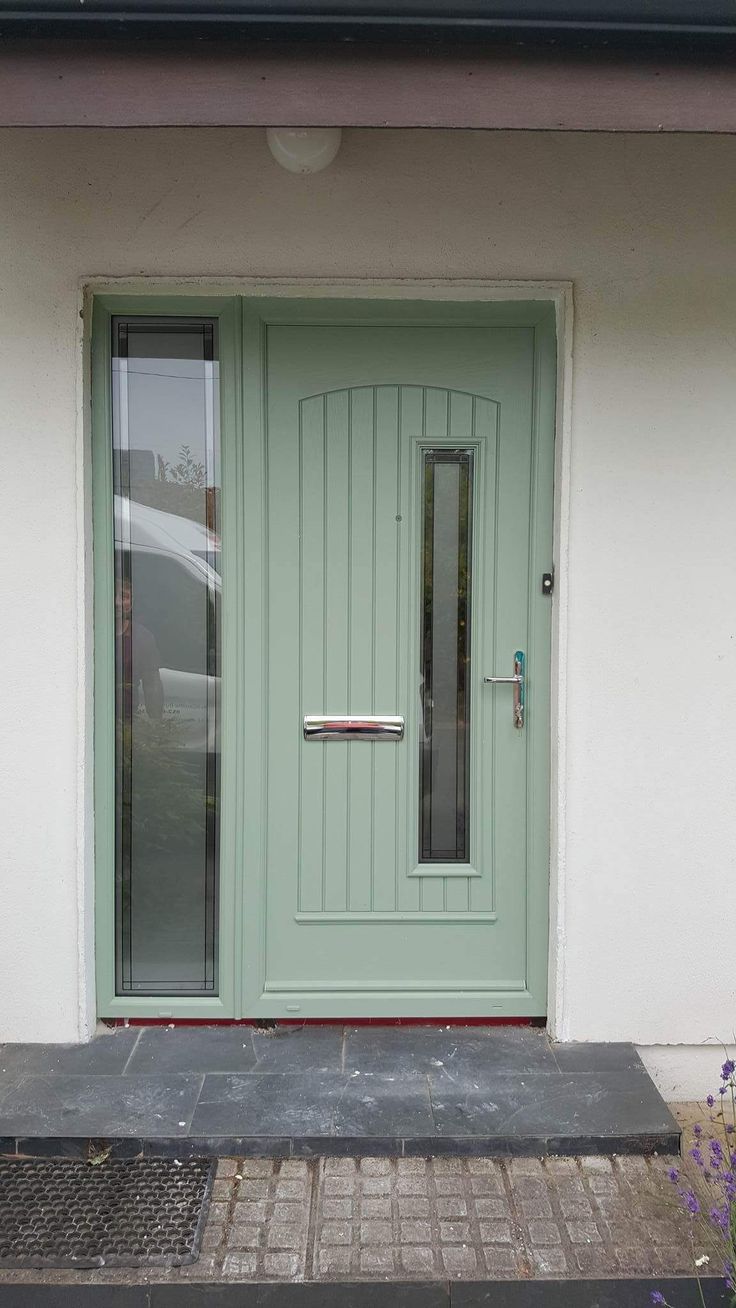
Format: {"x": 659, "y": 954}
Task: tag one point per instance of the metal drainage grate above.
{"x": 63, "y": 1213}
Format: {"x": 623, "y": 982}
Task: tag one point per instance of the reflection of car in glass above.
{"x": 176, "y": 588}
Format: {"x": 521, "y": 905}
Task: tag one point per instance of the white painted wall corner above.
{"x": 686, "y": 1072}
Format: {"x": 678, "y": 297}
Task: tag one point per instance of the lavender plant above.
{"x": 715, "y": 1200}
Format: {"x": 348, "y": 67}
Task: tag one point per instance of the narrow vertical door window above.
{"x": 166, "y": 483}
{"x": 444, "y": 818}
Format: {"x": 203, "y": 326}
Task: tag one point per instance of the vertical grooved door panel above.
{"x": 403, "y": 479}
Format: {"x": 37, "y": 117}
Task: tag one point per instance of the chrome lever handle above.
{"x": 518, "y": 683}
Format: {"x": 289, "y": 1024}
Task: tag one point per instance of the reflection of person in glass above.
{"x": 138, "y": 659}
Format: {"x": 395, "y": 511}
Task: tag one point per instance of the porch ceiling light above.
{"x": 304, "y": 149}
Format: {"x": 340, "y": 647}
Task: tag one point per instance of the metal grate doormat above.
{"x": 64, "y": 1213}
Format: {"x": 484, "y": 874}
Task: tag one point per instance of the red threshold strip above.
{"x": 325, "y": 1021}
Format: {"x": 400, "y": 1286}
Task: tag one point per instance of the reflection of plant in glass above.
{"x": 187, "y": 472}
{"x": 715, "y": 1201}
{"x": 183, "y": 488}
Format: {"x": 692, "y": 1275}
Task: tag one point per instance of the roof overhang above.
{"x": 637, "y": 20}
{"x": 228, "y": 84}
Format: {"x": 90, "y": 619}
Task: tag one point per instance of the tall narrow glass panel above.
{"x": 166, "y": 481}
{"x": 444, "y": 771}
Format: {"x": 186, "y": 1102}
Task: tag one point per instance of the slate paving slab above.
{"x": 299, "y": 1048}
{"x": 191, "y": 1049}
{"x": 103, "y": 1106}
{"x": 376, "y": 1104}
{"x": 594, "y": 1057}
{"x": 590, "y": 1104}
{"x": 106, "y": 1056}
{"x": 291, "y": 1104}
{"x": 413, "y": 1051}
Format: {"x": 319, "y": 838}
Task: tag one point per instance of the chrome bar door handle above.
{"x": 338, "y": 726}
{"x": 518, "y": 681}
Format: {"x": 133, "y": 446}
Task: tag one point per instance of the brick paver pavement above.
{"x": 475, "y": 1218}
{"x": 337, "y": 1219}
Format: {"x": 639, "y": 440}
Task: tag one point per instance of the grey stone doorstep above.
{"x": 624, "y": 1293}
{"x": 305, "y": 1091}
{"x": 259, "y": 1146}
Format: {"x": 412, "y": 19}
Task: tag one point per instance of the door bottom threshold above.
{"x": 268, "y": 1023}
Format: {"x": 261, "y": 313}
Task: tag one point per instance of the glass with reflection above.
{"x": 444, "y": 760}
{"x": 166, "y": 482}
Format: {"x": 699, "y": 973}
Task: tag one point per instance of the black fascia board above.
{"x": 637, "y": 20}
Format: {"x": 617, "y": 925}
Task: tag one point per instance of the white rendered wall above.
{"x": 644, "y": 226}
{"x": 685, "y": 1072}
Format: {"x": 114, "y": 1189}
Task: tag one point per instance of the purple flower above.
{"x": 690, "y": 1201}
{"x": 658, "y": 1297}
{"x": 720, "y": 1218}
{"x": 716, "y": 1153}
{"x": 710, "y": 1101}
{"x": 697, "y": 1156}
{"x": 673, "y": 1174}
{"x": 729, "y": 1128}
{"x": 723, "y": 1090}
{"x": 697, "y": 1129}
{"x": 728, "y": 1069}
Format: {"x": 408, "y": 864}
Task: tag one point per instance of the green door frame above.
{"x": 242, "y": 324}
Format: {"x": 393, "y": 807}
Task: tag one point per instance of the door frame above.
{"x": 241, "y": 396}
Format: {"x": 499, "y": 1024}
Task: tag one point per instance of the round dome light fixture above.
{"x": 304, "y": 149}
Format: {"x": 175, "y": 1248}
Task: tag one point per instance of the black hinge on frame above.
{"x": 548, "y": 583}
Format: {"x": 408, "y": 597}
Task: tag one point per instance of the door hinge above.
{"x": 548, "y": 583}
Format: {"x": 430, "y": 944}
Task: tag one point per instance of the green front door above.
{"x": 399, "y": 851}
{"x": 321, "y": 528}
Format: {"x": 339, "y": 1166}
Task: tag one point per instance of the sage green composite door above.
{"x": 406, "y": 459}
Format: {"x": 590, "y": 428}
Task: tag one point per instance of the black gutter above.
{"x": 614, "y": 21}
